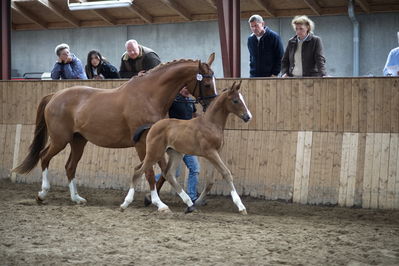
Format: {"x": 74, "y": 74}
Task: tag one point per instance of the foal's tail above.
{"x": 39, "y": 140}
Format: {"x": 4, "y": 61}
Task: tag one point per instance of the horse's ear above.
{"x": 199, "y": 64}
{"x": 238, "y": 85}
{"x": 232, "y": 88}
{"x": 211, "y": 59}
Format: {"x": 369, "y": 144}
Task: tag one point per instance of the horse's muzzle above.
{"x": 246, "y": 117}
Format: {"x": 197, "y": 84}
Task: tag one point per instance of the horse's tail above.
{"x": 39, "y": 140}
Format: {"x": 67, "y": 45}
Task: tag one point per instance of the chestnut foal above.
{"x": 201, "y": 136}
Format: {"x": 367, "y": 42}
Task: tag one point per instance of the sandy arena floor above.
{"x": 60, "y": 233}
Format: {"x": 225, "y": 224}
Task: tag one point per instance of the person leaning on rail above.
{"x": 392, "y": 65}
{"x": 68, "y": 66}
{"x": 137, "y": 59}
{"x": 98, "y": 67}
{"x": 303, "y": 56}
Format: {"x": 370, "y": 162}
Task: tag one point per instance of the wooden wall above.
{"x": 316, "y": 141}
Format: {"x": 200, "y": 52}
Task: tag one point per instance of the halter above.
{"x": 201, "y": 99}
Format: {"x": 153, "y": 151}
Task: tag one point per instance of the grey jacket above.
{"x": 313, "y": 61}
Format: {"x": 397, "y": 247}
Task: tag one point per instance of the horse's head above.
{"x": 235, "y": 103}
{"x": 204, "y": 87}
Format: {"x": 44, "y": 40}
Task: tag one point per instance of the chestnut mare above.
{"x": 201, "y": 136}
{"x": 109, "y": 118}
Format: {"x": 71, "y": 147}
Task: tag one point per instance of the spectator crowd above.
{"x": 302, "y": 57}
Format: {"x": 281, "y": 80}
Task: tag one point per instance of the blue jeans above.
{"x": 191, "y": 161}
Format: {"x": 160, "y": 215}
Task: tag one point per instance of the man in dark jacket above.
{"x": 137, "y": 59}
{"x": 265, "y": 49}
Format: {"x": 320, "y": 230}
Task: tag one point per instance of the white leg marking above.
{"x": 186, "y": 199}
{"x": 249, "y": 112}
{"x": 128, "y": 199}
{"x": 74, "y": 193}
{"x": 157, "y": 201}
{"x": 237, "y": 200}
{"x": 45, "y": 185}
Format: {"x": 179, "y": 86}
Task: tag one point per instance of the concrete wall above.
{"x": 33, "y": 51}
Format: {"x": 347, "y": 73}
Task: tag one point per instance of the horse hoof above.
{"x": 39, "y": 200}
{"x": 81, "y": 202}
{"x": 243, "y": 212}
{"x": 147, "y": 201}
{"x": 122, "y": 209}
{"x": 190, "y": 209}
{"x": 164, "y": 210}
{"x": 200, "y": 203}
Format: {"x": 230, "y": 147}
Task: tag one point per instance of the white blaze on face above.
{"x": 214, "y": 85}
{"x": 246, "y": 108}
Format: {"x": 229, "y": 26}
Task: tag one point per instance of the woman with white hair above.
{"x": 68, "y": 66}
{"x": 303, "y": 56}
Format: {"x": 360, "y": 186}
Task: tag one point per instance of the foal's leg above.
{"x": 209, "y": 181}
{"x": 138, "y": 172}
{"x": 78, "y": 144}
{"x": 162, "y": 164}
{"x": 148, "y": 163}
{"x": 215, "y": 159}
{"x": 174, "y": 161}
{"x": 51, "y": 150}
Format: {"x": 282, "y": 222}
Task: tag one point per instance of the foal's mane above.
{"x": 218, "y": 98}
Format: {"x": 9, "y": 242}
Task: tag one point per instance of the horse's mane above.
{"x": 167, "y": 64}
{"x": 159, "y": 67}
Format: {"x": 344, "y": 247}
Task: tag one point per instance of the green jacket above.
{"x": 146, "y": 60}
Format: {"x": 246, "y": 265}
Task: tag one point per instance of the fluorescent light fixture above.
{"x": 99, "y": 4}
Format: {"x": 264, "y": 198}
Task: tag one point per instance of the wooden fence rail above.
{"x": 316, "y": 141}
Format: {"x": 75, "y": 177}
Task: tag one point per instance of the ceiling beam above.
{"x": 28, "y": 15}
{"x": 141, "y": 13}
{"x": 104, "y": 16}
{"x": 266, "y": 7}
{"x": 212, "y": 3}
{"x": 314, "y": 6}
{"x": 61, "y": 13}
{"x": 178, "y": 8}
{"x": 364, "y": 5}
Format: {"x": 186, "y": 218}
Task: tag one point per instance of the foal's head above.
{"x": 235, "y": 103}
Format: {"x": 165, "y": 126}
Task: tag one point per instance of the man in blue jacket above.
{"x": 265, "y": 49}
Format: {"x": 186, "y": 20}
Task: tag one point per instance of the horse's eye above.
{"x": 235, "y": 101}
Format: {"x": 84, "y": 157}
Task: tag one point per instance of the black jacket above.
{"x": 265, "y": 55}
{"x": 313, "y": 61}
{"x": 182, "y": 108}
{"x": 107, "y": 70}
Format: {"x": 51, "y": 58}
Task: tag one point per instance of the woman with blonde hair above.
{"x": 303, "y": 56}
